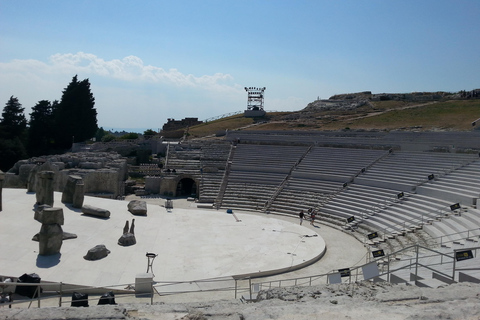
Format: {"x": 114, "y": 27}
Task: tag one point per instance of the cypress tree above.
{"x": 13, "y": 122}
{"x": 40, "y": 132}
{"x": 76, "y": 116}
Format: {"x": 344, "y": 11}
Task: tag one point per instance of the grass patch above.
{"x": 219, "y": 125}
{"x": 457, "y": 115}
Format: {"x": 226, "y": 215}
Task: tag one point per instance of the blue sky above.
{"x": 152, "y": 60}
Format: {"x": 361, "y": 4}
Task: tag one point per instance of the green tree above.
{"x": 13, "y": 126}
{"x": 149, "y": 132}
{"x": 129, "y": 136}
{"x": 41, "y": 128}
{"x": 76, "y": 116}
{"x": 13, "y": 123}
{"x": 11, "y": 150}
{"x": 100, "y": 134}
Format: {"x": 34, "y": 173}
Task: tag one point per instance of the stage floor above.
{"x": 191, "y": 244}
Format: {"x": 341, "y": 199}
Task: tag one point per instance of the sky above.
{"x": 148, "y": 61}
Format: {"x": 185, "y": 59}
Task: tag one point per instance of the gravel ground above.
{"x": 340, "y": 301}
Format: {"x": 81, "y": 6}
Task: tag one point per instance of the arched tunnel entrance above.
{"x": 186, "y": 187}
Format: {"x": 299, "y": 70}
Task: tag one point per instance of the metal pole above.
{"x": 151, "y": 293}
{"x": 235, "y": 288}
{"x": 38, "y": 296}
{"x": 416, "y": 263}
{"x": 388, "y": 270}
{"x": 61, "y": 294}
{"x": 250, "y": 286}
{"x": 454, "y": 264}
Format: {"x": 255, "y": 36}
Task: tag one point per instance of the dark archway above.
{"x": 186, "y": 187}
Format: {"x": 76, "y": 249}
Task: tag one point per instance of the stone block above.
{"x": 96, "y": 253}
{"x": 69, "y": 190}
{"x": 51, "y": 216}
{"x": 94, "y": 211}
{"x": 50, "y": 239}
{"x": 44, "y": 187}
{"x": 78, "y": 195}
{"x": 137, "y": 207}
{"x": 39, "y": 211}
{"x": 127, "y": 239}
{"x": 90, "y": 165}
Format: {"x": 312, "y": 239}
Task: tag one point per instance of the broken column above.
{"x": 2, "y": 177}
{"x": 78, "y": 195}
{"x": 70, "y": 187}
{"x": 44, "y": 190}
{"x": 51, "y": 234}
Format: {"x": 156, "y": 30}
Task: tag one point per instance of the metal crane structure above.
{"x": 255, "y": 102}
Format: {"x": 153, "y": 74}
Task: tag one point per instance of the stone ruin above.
{"x": 128, "y": 236}
{"x": 103, "y": 173}
{"x": 96, "y": 253}
{"x": 73, "y": 193}
{"x": 44, "y": 188}
{"x": 137, "y": 207}
{"x": 95, "y": 211}
{"x": 50, "y": 238}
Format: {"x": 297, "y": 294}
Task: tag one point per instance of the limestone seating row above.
{"x": 410, "y": 212}
{"x": 345, "y": 164}
{"x": 293, "y": 202}
{"x": 458, "y": 226}
{"x": 456, "y": 229}
{"x": 265, "y": 168}
{"x": 453, "y": 139}
{"x": 424, "y": 163}
{"x": 328, "y": 176}
{"x": 414, "y": 209}
{"x": 451, "y": 185}
{"x": 318, "y": 186}
{"x": 443, "y": 233}
{"x": 362, "y": 201}
{"x": 210, "y": 186}
{"x": 448, "y": 193}
{"x": 262, "y": 155}
{"x": 246, "y": 177}
{"x": 251, "y": 196}
{"x": 348, "y": 156}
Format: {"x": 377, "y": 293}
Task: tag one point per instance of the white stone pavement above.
{"x": 191, "y": 243}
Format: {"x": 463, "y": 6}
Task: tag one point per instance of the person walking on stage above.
{"x": 301, "y": 215}
{"x": 312, "y": 217}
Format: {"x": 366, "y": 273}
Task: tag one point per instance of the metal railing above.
{"x": 424, "y": 260}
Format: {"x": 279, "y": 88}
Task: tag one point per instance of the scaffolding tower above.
{"x": 255, "y": 102}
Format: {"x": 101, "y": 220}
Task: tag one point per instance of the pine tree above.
{"x": 13, "y": 122}
{"x": 12, "y": 134}
{"x": 76, "y": 116}
{"x": 41, "y": 125}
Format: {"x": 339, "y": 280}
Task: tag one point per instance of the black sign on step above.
{"x": 455, "y": 206}
{"x": 372, "y": 235}
{"x": 344, "y": 272}
{"x": 351, "y": 219}
{"x": 463, "y": 255}
{"x": 378, "y": 253}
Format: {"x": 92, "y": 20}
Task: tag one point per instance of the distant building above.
{"x": 173, "y": 124}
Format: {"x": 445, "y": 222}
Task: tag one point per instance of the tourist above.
{"x": 301, "y": 215}
{"x": 312, "y": 217}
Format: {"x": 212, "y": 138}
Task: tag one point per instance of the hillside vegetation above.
{"x": 455, "y": 115}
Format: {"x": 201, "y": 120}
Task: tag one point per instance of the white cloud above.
{"x": 132, "y": 69}
{"x": 129, "y": 69}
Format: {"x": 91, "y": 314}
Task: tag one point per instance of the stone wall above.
{"x": 102, "y": 172}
